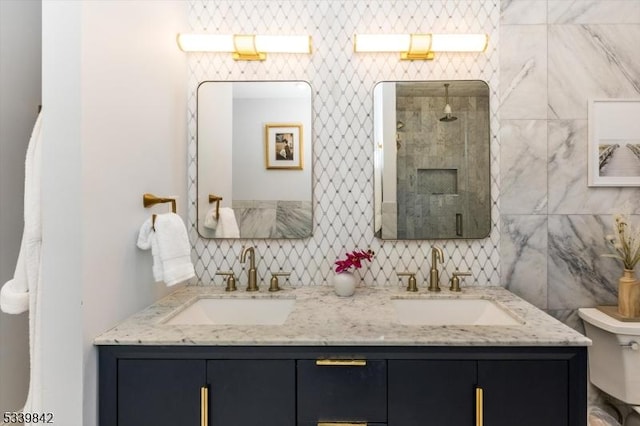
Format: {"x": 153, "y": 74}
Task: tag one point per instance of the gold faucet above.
{"x": 434, "y": 275}
{"x": 253, "y": 275}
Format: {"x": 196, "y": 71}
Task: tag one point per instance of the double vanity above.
{"x": 304, "y": 356}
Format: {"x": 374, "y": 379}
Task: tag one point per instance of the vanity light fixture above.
{"x": 245, "y": 47}
{"x": 420, "y": 46}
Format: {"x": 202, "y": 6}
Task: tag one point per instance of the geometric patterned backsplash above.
{"x": 342, "y": 88}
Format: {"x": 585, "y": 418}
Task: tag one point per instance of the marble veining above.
{"x": 593, "y": 11}
{"x": 579, "y": 276}
{"x": 523, "y": 12}
{"x": 322, "y": 318}
{"x": 608, "y": 52}
{"x": 523, "y": 72}
{"x": 523, "y": 251}
{"x": 523, "y": 167}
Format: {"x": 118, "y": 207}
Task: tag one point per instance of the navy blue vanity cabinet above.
{"x": 504, "y": 387}
{"x": 251, "y": 392}
{"x": 526, "y": 393}
{"x": 315, "y": 385}
{"x": 159, "y": 392}
{"x": 341, "y": 390}
{"x": 169, "y": 386}
{"x": 432, "y": 392}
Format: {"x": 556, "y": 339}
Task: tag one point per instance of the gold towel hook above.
{"x": 216, "y": 199}
{"x": 149, "y": 200}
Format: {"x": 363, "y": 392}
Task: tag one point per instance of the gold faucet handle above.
{"x": 231, "y": 280}
{"x": 455, "y": 281}
{"x": 273, "y": 285}
{"x": 413, "y": 284}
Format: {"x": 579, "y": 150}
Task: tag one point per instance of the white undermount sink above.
{"x": 462, "y": 312}
{"x": 234, "y": 311}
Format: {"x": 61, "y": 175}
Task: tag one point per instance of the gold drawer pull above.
{"x": 204, "y": 406}
{"x": 342, "y": 424}
{"x": 479, "y": 403}
{"x": 342, "y": 363}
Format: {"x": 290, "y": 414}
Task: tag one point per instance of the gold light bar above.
{"x": 420, "y": 46}
{"x": 247, "y": 47}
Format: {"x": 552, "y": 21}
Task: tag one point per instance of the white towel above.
{"x": 147, "y": 239}
{"x": 170, "y": 248}
{"x": 226, "y": 226}
{"x": 23, "y": 292}
{"x": 12, "y": 299}
{"x": 14, "y": 296}
{"x": 210, "y": 220}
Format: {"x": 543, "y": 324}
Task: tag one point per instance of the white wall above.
{"x": 215, "y": 148}
{"x": 251, "y": 115}
{"x": 117, "y": 129}
{"x": 20, "y": 85}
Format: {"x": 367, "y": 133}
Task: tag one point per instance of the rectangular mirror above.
{"x": 254, "y": 159}
{"x": 432, "y": 173}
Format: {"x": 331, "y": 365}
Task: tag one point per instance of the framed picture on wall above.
{"x": 283, "y": 146}
{"x": 614, "y": 142}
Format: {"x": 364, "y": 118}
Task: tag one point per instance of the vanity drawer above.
{"x": 342, "y": 391}
{"x": 341, "y": 424}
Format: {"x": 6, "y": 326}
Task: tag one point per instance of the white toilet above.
{"x": 614, "y": 358}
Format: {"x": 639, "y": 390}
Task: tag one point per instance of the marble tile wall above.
{"x": 554, "y": 57}
{"x": 273, "y": 219}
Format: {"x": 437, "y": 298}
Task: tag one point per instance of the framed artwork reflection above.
{"x": 283, "y": 146}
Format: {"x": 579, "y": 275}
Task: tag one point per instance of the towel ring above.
{"x": 216, "y": 199}
{"x": 149, "y": 200}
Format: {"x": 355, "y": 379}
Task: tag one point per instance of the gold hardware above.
{"x": 217, "y": 200}
{"x": 342, "y": 424}
{"x": 231, "y": 280}
{"x": 149, "y": 200}
{"x": 245, "y": 46}
{"x": 455, "y": 281}
{"x": 274, "y": 286}
{"x": 412, "y": 285}
{"x": 479, "y": 406}
{"x": 419, "y": 48}
{"x": 253, "y": 275}
{"x": 342, "y": 363}
{"x": 434, "y": 275}
{"x": 204, "y": 406}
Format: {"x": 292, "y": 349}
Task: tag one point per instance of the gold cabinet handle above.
{"x": 342, "y": 363}
{"x": 479, "y": 405}
{"x": 204, "y": 406}
{"x": 342, "y": 424}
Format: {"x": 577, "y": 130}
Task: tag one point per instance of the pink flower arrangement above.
{"x": 353, "y": 260}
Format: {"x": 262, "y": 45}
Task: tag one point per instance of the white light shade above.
{"x": 382, "y": 42}
{"x": 206, "y": 43}
{"x": 233, "y": 43}
{"x": 283, "y": 44}
{"x": 459, "y": 42}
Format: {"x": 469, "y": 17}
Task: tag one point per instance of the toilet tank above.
{"x": 614, "y": 360}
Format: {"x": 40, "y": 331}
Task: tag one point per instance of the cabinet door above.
{"x": 338, "y": 392}
{"x": 159, "y": 392}
{"x": 525, "y": 393}
{"x": 251, "y": 392}
{"x": 432, "y": 393}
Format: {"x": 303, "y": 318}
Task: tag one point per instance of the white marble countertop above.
{"x": 320, "y": 317}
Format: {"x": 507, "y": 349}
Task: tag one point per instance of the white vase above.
{"x": 344, "y": 284}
